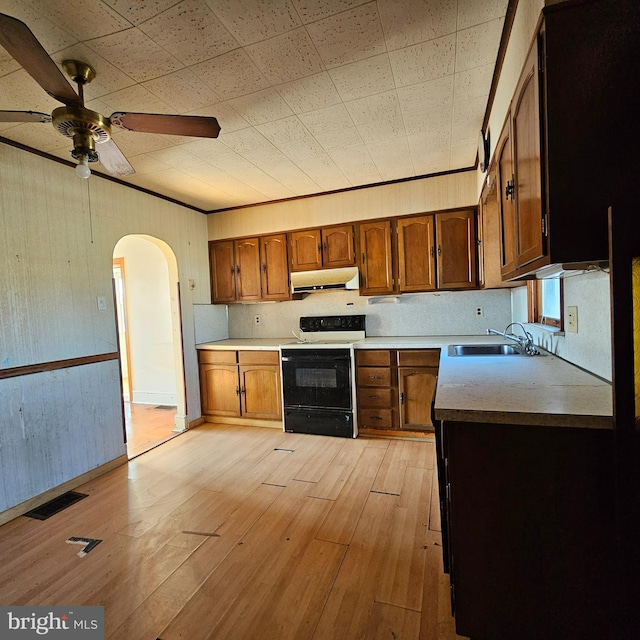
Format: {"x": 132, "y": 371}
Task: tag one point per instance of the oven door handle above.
{"x": 295, "y": 359}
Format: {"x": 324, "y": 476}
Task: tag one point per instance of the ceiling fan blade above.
{"x": 113, "y": 160}
{"x": 24, "y": 116}
{"x": 23, "y": 46}
{"x": 197, "y": 126}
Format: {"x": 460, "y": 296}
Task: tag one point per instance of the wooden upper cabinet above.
{"x": 456, "y": 249}
{"x": 337, "y": 246}
{"x": 275, "y": 272}
{"x": 306, "y": 250}
{"x": 248, "y": 280}
{"x": 322, "y": 248}
{"x": 223, "y": 269}
{"x": 525, "y": 127}
{"x": 416, "y": 254}
{"x": 506, "y": 190}
{"x": 376, "y": 261}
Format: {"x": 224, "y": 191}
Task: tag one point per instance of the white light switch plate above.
{"x": 572, "y": 320}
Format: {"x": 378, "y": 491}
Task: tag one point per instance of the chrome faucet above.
{"x": 525, "y": 342}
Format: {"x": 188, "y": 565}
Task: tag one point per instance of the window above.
{"x": 545, "y": 302}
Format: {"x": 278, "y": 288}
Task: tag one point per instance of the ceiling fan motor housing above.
{"x": 86, "y": 127}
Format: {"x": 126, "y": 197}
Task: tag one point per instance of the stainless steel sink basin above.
{"x": 484, "y": 350}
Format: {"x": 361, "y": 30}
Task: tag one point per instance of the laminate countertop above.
{"x": 526, "y": 390}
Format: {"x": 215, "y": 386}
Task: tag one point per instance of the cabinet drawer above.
{"x": 372, "y": 397}
{"x": 376, "y": 418}
{"x": 373, "y": 358}
{"x": 259, "y": 357}
{"x": 374, "y": 377}
{"x": 419, "y": 358}
{"x": 206, "y": 356}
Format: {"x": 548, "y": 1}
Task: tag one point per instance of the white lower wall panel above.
{"x": 57, "y": 425}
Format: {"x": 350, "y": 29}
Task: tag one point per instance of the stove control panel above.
{"x": 332, "y": 323}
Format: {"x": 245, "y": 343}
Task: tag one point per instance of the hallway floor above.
{"x": 147, "y": 426}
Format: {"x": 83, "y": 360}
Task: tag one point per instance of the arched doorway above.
{"x": 149, "y": 322}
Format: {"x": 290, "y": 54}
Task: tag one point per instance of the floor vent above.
{"x": 56, "y": 505}
{"x": 164, "y": 407}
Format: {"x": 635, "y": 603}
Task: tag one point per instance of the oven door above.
{"x": 317, "y": 378}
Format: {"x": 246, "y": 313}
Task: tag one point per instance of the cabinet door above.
{"x": 223, "y": 271}
{"x": 337, "y": 246}
{"x": 306, "y": 250}
{"x": 525, "y": 129}
{"x": 260, "y": 390}
{"x": 456, "y": 250}
{"x": 275, "y": 268}
{"x": 416, "y": 259}
{"x": 248, "y": 269}
{"x": 417, "y": 387}
{"x": 376, "y": 273}
{"x": 220, "y": 391}
{"x": 506, "y": 200}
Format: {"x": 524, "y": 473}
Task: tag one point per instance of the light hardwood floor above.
{"x": 147, "y": 426}
{"x": 248, "y": 534}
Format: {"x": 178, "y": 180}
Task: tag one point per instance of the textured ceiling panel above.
{"x": 311, "y": 95}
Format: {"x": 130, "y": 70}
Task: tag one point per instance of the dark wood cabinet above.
{"x": 456, "y": 249}
{"x": 416, "y": 254}
{"x": 275, "y": 270}
{"x": 376, "y": 260}
{"x": 327, "y": 247}
{"x": 240, "y": 384}
{"x": 395, "y": 388}
{"x": 249, "y": 269}
{"x": 529, "y": 511}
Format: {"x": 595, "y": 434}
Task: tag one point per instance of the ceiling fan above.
{"x": 90, "y": 131}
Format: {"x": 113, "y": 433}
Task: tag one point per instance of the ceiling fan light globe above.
{"x": 82, "y": 168}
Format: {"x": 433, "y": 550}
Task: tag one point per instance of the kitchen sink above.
{"x": 484, "y": 350}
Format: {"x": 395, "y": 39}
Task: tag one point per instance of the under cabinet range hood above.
{"x": 324, "y": 280}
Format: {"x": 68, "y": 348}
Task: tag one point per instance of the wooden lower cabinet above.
{"x": 396, "y": 388}
{"x": 240, "y": 384}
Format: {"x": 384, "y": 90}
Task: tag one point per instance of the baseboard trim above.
{"x": 245, "y": 422}
{"x": 196, "y": 423}
{"x": 74, "y": 483}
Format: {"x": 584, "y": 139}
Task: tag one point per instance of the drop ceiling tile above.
{"x": 349, "y": 36}
{"x": 135, "y": 98}
{"x": 177, "y": 157}
{"x": 248, "y": 142}
{"x": 231, "y": 75}
{"x": 472, "y": 12}
{"x": 146, "y": 163}
{"x": 312, "y": 10}
{"x": 83, "y": 19}
{"x": 39, "y": 135}
{"x": 327, "y": 119}
{"x": 140, "y": 11}
{"x": 7, "y": 63}
{"x": 20, "y": 92}
{"x": 356, "y": 164}
{"x": 410, "y": 22}
{"x": 289, "y": 56}
{"x": 310, "y": 93}
{"x": 286, "y": 132}
{"x": 182, "y": 91}
{"x": 392, "y": 158}
{"x": 473, "y": 83}
{"x": 424, "y": 61}
{"x": 108, "y": 78}
{"x": 250, "y": 21}
{"x": 425, "y": 96}
{"x": 336, "y": 139}
{"x": 363, "y": 78}
{"x": 261, "y": 106}
{"x": 429, "y": 120}
{"x": 190, "y": 31}
{"x": 136, "y": 54}
{"x": 478, "y": 46}
{"x": 381, "y": 106}
{"x": 463, "y": 155}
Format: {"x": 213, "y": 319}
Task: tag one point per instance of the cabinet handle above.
{"x": 402, "y": 398}
{"x": 376, "y": 418}
{"x": 264, "y": 267}
{"x": 319, "y": 246}
{"x": 432, "y": 251}
{"x": 233, "y": 270}
{"x": 243, "y": 391}
{"x": 374, "y": 397}
{"x": 237, "y": 269}
{"x": 237, "y": 391}
{"x": 363, "y": 258}
{"x": 324, "y": 247}
{"x": 439, "y": 250}
{"x": 510, "y": 190}
{"x": 375, "y": 377}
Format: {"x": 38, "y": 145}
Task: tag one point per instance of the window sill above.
{"x": 554, "y": 331}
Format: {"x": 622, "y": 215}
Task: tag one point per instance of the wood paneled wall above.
{"x": 57, "y": 235}
{"x": 400, "y": 198}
